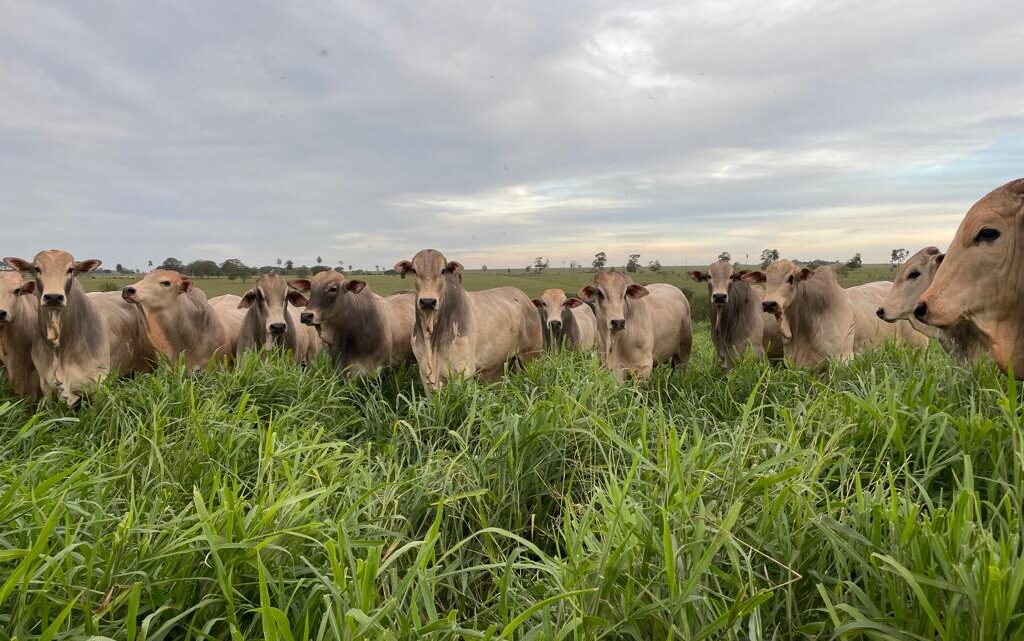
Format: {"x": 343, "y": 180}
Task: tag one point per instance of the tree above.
{"x": 855, "y": 262}
{"x": 319, "y": 268}
{"x": 529, "y": 268}
{"x": 633, "y": 263}
{"x": 483, "y": 268}
{"x": 768, "y": 257}
{"x": 724, "y": 257}
{"x": 172, "y": 264}
{"x": 119, "y": 268}
{"x": 376, "y": 268}
{"x": 600, "y": 260}
{"x": 202, "y": 268}
{"x": 539, "y": 264}
{"x": 150, "y": 265}
{"x": 233, "y": 268}
{"x": 319, "y": 260}
{"x": 654, "y": 266}
{"x": 898, "y": 256}
{"x": 302, "y": 272}
{"x": 278, "y": 262}
{"x": 289, "y": 265}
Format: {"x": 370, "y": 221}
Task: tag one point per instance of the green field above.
{"x": 881, "y": 499}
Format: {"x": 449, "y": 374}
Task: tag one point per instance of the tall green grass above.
{"x": 881, "y": 499}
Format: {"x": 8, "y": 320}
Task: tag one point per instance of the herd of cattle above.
{"x": 57, "y": 339}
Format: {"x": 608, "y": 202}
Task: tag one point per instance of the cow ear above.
{"x": 700, "y": 277}
{"x": 587, "y": 292}
{"x": 404, "y": 267}
{"x": 573, "y": 303}
{"x": 538, "y": 303}
{"x": 636, "y": 291}
{"x": 301, "y": 284}
{"x": 806, "y": 273}
{"x": 938, "y": 259}
{"x": 248, "y": 298}
{"x": 932, "y": 251}
{"x": 186, "y": 285}
{"x": 86, "y": 266}
{"x": 26, "y": 288}
{"x": 738, "y": 275}
{"x": 297, "y": 298}
{"x": 754, "y": 277}
{"x": 19, "y": 264}
{"x": 355, "y": 286}
{"x": 453, "y": 267}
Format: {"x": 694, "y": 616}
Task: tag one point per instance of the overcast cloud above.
{"x": 499, "y": 131}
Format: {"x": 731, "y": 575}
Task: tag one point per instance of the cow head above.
{"x": 911, "y": 281}
{"x": 271, "y": 294}
{"x": 720, "y": 277}
{"x": 54, "y": 272}
{"x": 553, "y": 305}
{"x": 326, "y": 296}
{"x": 432, "y": 272}
{"x": 158, "y": 290}
{"x": 782, "y": 279}
{"x": 11, "y": 288}
{"x": 611, "y": 293}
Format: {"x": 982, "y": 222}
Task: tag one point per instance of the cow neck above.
{"x": 16, "y": 340}
{"x": 439, "y": 328}
{"x": 814, "y": 299}
{"x": 75, "y": 326}
{"x": 612, "y": 338}
{"x": 738, "y": 316}
{"x": 254, "y": 329}
{"x": 570, "y": 332}
{"x": 185, "y": 328}
{"x": 357, "y": 327}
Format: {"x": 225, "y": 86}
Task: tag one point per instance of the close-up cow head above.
{"x": 611, "y": 293}
{"x": 782, "y": 278}
{"x": 432, "y": 272}
{"x": 911, "y": 281}
{"x": 720, "y": 278}
{"x": 326, "y": 296}
{"x": 159, "y": 289}
{"x": 272, "y": 295}
{"x": 553, "y": 305}
{"x": 12, "y": 287}
{"x": 55, "y": 273}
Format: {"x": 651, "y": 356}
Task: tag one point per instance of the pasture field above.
{"x": 880, "y": 499}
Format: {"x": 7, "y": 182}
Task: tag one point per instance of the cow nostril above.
{"x": 428, "y": 303}
{"x": 53, "y": 299}
{"x": 719, "y": 298}
{"x": 880, "y": 312}
{"x": 619, "y": 324}
{"x": 3, "y": 314}
{"x": 277, "y": 328}
{"x": 306, "y": 318}
{"x": 921, "y": 310}
{"x": 769, "y": 306}
{"x": 555, "y": 324}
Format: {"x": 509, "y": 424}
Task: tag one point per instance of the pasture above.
{"x": 880, "y": 499}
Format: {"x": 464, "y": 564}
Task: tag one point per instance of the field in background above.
{"x": 882, "y": 499}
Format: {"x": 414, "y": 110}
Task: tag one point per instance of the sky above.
{"x": 498, "y": 131}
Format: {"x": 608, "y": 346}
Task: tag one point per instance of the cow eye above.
{"x": 914, "y": 274}
{"x": 71, "y": 270}
{"x": 987, "y": 235}
{"x": 165, "y": 283}
{"x": 333, "y": 289}
{"x": 790, "y": 279}
{"x": 38, "y": 271}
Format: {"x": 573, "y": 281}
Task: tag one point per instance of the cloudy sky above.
{"x": 499, "y": 131}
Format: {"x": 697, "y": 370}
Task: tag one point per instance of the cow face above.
{"x": 54, "y": 272}
{"x": 12, "y": 287}
{"x": 271, "y": 295}
{"x": 610, "y": 293}
{"x": 553, "y": 305}
{"x": 911, "y": 281}
{"x": 158, "y": 290}
{"x": 326, "y": 296}
{"x": 980, "y": 278}
{"x": 432, "y": 271}
{"x": 782, "y": 279}
{"x": 719, "y": 277}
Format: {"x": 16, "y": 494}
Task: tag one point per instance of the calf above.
{"x": 566, "y": 322}
{"x": 182, "y": 323}
{"x": 738, "y": 323}
{"x": 271, "y": 321}
{"x": 364, "y": 332}
{"x": 466, "y": 333}
{"x": 819, "y": 319}
{"x": 638, "y": 326}
{"x": 961, "y": 340}
{"x": 19, "y": 313}
{"x": 981, "y": 280}
{"x": 81, "y": 337}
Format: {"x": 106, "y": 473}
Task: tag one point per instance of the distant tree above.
{"x": 350, "y": 267}
{"x": 302, "y": 272}
{"x": 529, "y": 268}
{"x": 539, "y": 264}
{"x": 339, "y": 269}
{"x": 289, "y": 265}
{"x": 319, "y": 260}
{"x": 234, "y": 269}
{"x": 119, "y": 268}
{"x": 633, "y": 263}
{"x": 855, "y": 262}
{"x": 483, "y": 268}
{"x": 202, "y": 268}
{"x": 768, "y": 257}
{"x": 898, "y": 256}
{"x": 376, "y": 268}
{"x": 654, "y": 266}
{"x": 172, "y": 264}
{"x": 724, "y": 257}
{"x": 573, "y": 265}
{"x": 319, "y": 268}
{"x": 150, "y": 265}
{"x": 600, "y": 260}
{"x": 278, "y": 262}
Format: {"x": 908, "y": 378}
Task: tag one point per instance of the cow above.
{"x": 80, "y": 337}
{"x": 819, "y": 319}
{"x": 182, "y": 323}
{"x": 458, "y": 332}
{"x": 981, "y": 279}
{"x": 738, "y": 323}
{"x": 961, "y": 340}
{"x": 19, "y": 312}
{"x": 637, "y": 326}
{"x": 271, "y": 321}
{"x": 566, "y": 322}
{"x": 364, "y": 333}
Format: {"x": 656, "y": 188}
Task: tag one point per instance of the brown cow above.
{"x": 566, "y": 322}
{"x": 271, "y": 321}
{"x": 821, "y": 320}
{"x": 182, "y": 323}
{"x": 638, "y": 326}
{"x": 961, "y": 340}
{"x": 81, "y": 337}
{"x": 19, "y": 314}
{"x": 980, "y": 281}
{"x": 738, "y": 323}
{"x": 466, "y": 333}
{"x": 364, "y": 332}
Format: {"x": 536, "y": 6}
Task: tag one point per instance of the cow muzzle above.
{"x": 54, "y": 300}
{"x": 4, "y": 316}
{"x": 921, "y": 311}
{"x": 306, "y": 318}
{"x": 770, "y": 307}
{"x": 617, "y": 325}
{"x": 719, "y": 298}
{"x": 428, "y": 304}
{"x": 128, "y": 293}
{"x": 555, "y": 325}
{"x": 276, "y": 329}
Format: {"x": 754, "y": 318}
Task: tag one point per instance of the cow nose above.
{"x": 306, "y": 318}
{"x": 880, "y": 312}
{"x": 127, "y": 291}
{"x": 277, "y": 328}
{"x": 719, "y": 299}
{"x": 3, "y": 315}
{"x": 428, "y": 303}
{"x": 618, "y": 324}
{"x": 921, "y": 310}
{"x": 53, "y": 299}
{"x": 770, "y": 306}
{"x": 555, "y": 325}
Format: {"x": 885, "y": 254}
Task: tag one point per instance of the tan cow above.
{"x": 961, "y": 340}
{"x": 981, "y": 280}
{"x": 364, "y": 332}
{"x": 821, "y": 320}
{"x": 637, "y": 326}
{"x": 272, "y": 321}
{"x": 19, "y": 322}
{"x": 81, "y": 337}
{"x": 738, "y": 323}
{"x": 466, "y": 333}
{"x": 566, "y": 322}
{"x": 182, "y": 323}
